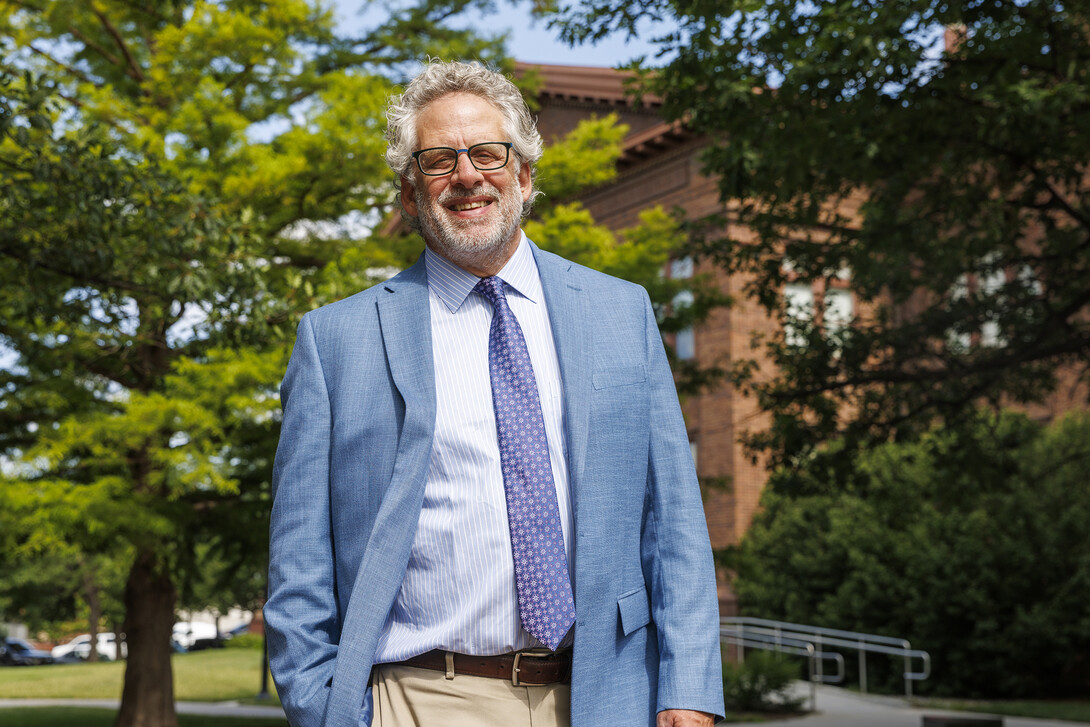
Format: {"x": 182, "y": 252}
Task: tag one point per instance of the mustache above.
{"x": 450, "y": 196}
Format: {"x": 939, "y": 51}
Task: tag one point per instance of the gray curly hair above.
{"x": 440, "y": 78}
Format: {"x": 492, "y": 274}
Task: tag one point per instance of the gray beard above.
{"x": 471, "y": 243}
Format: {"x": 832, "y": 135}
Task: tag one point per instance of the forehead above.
{"x": 459, "y": 120}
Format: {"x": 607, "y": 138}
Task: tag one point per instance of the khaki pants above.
{"x": 406, "y": 696}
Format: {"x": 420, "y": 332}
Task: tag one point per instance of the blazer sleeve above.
{"x": 676, "y": 552}
{"x": 301, "y": 616}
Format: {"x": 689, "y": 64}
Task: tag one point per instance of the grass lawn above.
{"x": 1070, "y": 710}
{"x": 215, "y": 675}
{"x": 84, "y": 717}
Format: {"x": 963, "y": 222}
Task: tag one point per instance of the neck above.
{"x": 484, "y": 264}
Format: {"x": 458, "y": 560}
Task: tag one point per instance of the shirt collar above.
{"x": 453, "y": 284}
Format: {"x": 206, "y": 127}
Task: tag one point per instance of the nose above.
{"x": 465, "y": 174}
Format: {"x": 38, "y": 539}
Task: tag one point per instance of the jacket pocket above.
{"x": 619, "y": 376}
{"x": 635, "y": 610}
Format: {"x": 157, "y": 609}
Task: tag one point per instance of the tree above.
{"x": 933, "y": 151}
{"x": 108, "y": 457}
{"x": 166, "y": 166}
{"x": 970, "y": 542}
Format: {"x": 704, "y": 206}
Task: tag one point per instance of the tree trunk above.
{"x": 148, "y": 696}
{"x": 90, "y": 592}
{"x": 119, "y": 639}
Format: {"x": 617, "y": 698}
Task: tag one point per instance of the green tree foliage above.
{"x": 971, "y": 542}
{"x": 113, "y": 451}
{"x": 952, "y": 185}
{"x": 584, "y": 158}
{"x": 177, "y": 176}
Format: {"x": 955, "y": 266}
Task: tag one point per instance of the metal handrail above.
{"x": 796, "y": 647}
{"x": 774, "y": 633}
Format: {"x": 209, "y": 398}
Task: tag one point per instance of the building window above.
{"x": 681, "y": 268}
{"x": 838, "y": 310}
{"x": 988, "y": 285}
{"x": 684, "y": 343}
{"x": 798, "y": 299}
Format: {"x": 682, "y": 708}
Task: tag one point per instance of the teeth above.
{"x": 468, "y": 206}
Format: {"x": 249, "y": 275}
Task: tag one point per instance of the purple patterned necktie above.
{"x": 546, "y": 605}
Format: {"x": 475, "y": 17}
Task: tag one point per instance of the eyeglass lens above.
{"x": 441, "y": 160}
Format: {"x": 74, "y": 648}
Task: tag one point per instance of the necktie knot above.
{"x": 491, "y": 288}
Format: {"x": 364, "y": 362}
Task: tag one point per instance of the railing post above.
{"x": 820, "y": 658}
{"x": 813, "y": 683}
{"x": 908, "y": 670}
{"x": 862, "y": 667}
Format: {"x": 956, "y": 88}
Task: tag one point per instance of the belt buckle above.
{"x": 532, "y": 653}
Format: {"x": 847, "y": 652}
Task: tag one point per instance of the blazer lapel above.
{"x": 568, "y": 313}
{"x": 405, "y": 319}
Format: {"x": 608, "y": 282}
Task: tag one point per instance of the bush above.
{"x": 970, "y": 541}
{"x": 244, "y": 641}
{"x": 761, "y": 683}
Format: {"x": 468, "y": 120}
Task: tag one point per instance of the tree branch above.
{"x": 134, "y": 70}
{"x": 104, "y": 52}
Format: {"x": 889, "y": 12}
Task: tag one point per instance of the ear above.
{"x": 408, "y": 197}
{"x": 524, "y": 181}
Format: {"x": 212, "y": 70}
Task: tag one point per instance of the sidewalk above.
{"x": 838, "y": 707}
{"x": 219, "y": 709}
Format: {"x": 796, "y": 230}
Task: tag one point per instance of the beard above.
{"x": 480, "y": 243}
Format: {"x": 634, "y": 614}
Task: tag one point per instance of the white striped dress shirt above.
{"x": 459, "y": 588}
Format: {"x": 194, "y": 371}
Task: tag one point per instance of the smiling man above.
{"x": 485, "y": 510}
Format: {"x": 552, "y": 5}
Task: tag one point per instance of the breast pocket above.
{"x": 635, "y": 610}
{"x": 607, "y": 378}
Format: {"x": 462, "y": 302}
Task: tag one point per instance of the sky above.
{"x": 528, "y": 41}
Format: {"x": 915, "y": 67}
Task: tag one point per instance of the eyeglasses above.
{"x": 485, "y": 157}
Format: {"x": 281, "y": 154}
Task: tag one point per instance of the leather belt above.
{"x": 522, "y": 668}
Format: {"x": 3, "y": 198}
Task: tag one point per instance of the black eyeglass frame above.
{"x": 507, "y": 158}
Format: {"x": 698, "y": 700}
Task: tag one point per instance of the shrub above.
{"x": 970, "y": 541}
{"x": 244, "y": 641}
{"x": 762, "y": 683}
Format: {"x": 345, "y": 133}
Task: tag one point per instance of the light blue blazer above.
{"x": 359, "y": 413}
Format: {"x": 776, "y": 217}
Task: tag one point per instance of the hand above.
{"x": 684, "y": 718}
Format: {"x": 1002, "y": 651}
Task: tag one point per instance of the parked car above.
{"x": 187, "y": 633}
{"x": 242, "y": 628}
{"x": 80, "y": 648}
{"x": 17, "y": 652}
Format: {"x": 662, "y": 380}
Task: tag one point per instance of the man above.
{"x": 485, "y": 507}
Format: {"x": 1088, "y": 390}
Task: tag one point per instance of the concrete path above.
{"x": 835, "y": 708}
{"x": 838, "y": 707}
{"x": 222, "y": 709}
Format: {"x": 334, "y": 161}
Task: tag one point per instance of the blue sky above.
{"x": 528, "y": 41}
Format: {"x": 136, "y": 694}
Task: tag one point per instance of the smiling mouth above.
{"x": 470, "y": 205}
